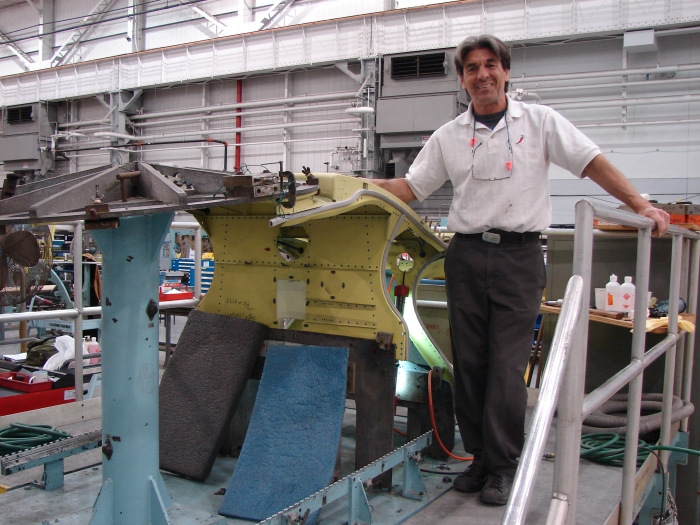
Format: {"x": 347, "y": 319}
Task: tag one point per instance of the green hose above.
{"x": 19, "y": 437}
{"x": 609, "y": 449}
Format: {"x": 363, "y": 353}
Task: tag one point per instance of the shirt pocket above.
{"x": 491, "y": 160}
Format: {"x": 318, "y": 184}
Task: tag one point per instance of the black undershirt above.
{"x": 491, "y": 119}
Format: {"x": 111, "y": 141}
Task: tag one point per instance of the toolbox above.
{"x": 171, "y": 295}
{"x": 20, "y": 381}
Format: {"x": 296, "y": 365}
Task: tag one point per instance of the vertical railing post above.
{"x": 77, "y": 247}
{"x": 669, "y": 374}
{"x": 197, "y": 261}
{"x": 634, "y": 407}
{"x": 680, "y": 346}
{"x": 690, "y": 337}
{"x": 571, "y": 396}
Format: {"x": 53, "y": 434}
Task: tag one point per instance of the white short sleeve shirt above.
{"x": 486, "y": 193}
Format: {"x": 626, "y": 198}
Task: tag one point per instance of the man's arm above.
{"x": 608, "y": 177}
{"x": 397, "y": 187}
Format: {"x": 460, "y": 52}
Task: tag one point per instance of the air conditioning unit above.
{"x": 419, "y": 92}
{"x": 25, "y": 137}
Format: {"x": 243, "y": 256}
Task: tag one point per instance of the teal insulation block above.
{"x": 292, "y": 442}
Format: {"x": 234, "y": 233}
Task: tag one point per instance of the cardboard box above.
{"x": 694, "y": 213}
{"x": 678, "y": 212}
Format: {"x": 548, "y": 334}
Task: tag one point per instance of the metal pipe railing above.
{"x": 634, "y": 405}
{"x": 600, "y": 395}
{"x": 572, "y": 407}
{"x": 197, "y": 259}
{"x": 669, "y": 372}
{"x": 680, "y": 347}
{"x": 78, "y": 312}
{"x": 544, "y": 409}
{"x": 77, "y": 248}
{"x": 690, "y": 338}
{"x": 571, "y": 397}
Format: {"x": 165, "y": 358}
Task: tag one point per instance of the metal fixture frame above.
{"x": 353, "y": 486}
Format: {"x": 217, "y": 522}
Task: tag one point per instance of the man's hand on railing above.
{"x": 660, "y": 217}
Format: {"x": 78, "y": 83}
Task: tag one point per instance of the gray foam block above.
{"x": 201, "y": 388}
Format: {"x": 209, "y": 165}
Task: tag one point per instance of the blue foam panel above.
{"x": 292, "y": 442}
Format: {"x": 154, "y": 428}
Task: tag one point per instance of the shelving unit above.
{"x": 187, "y": 265}
{"x": 624, "y": 323}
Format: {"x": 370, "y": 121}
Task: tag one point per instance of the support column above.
{"x": 121, "y": 104}
{"x": 133, "y": 490}
{"x": 239, "y": 124}
{"x": 245, "y": 11}
{"x": 286, "y": 132}
{"x": 204, "y": 152}
{"x": 369, "y": 147}
{"x": 117, "y": 124}
{"x": 134, "y": 26}
{"x": 73, "y": 117}
{"x": 46, "y": 36}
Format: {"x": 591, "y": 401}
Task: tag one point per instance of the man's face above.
{"x": 485, "y": 79}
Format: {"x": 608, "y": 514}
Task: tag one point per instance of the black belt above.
{"x": 495, "y": 236}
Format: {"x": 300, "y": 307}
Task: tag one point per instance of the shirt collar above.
{"x": 513, "y": 110}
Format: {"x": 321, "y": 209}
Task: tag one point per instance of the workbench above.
{"x": 624, "y": 323}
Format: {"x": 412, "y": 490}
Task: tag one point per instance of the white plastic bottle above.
{"x": 612, "y": 295}
{"x": 627, "y": 295}
{"x": 93, "y": 347}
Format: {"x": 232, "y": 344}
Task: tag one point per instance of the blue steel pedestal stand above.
{"x": 133, "y": 491}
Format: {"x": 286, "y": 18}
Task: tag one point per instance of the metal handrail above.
{"x": 79, "y": 311}
{"x": 544, "y": 409}
{"x": 572, "y": 406}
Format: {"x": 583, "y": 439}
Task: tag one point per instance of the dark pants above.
{"x": 493, "y": 294}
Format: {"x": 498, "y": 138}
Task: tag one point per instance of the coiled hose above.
{"x": 606, "y": 418}
{"x": 609, "y": 449}
{"x": 18, "y": 437}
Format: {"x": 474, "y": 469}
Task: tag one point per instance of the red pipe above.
{"x": 239, "y": 99}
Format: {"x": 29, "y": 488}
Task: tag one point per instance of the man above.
{"x": 497, "y": 157}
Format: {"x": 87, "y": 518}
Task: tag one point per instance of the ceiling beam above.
{"x": 31, "y": 3}
{"x": 277, "y": 8}
{"x": 23, "y": 57}
{"x": 219, "y": 26}
{"x": 71, "y": 44}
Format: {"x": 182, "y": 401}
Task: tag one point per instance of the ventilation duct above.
{"x": 418, "y": 66}
{"x": 20, "y": 114}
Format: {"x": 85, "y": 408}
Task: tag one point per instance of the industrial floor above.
{"x": 599, "y": 488}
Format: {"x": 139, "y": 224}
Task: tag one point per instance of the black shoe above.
{"x": 496, "y": 490}
{"x": 472, "y": 479}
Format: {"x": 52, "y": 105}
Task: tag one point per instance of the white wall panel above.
{"x": 340, "y": 39}
{"x": 550, "y": 16}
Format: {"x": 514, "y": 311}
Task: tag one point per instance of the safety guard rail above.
{"x": 544, "y": 409}
{"x": 79, "y": 311}
{"x": 573, "y": 406}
